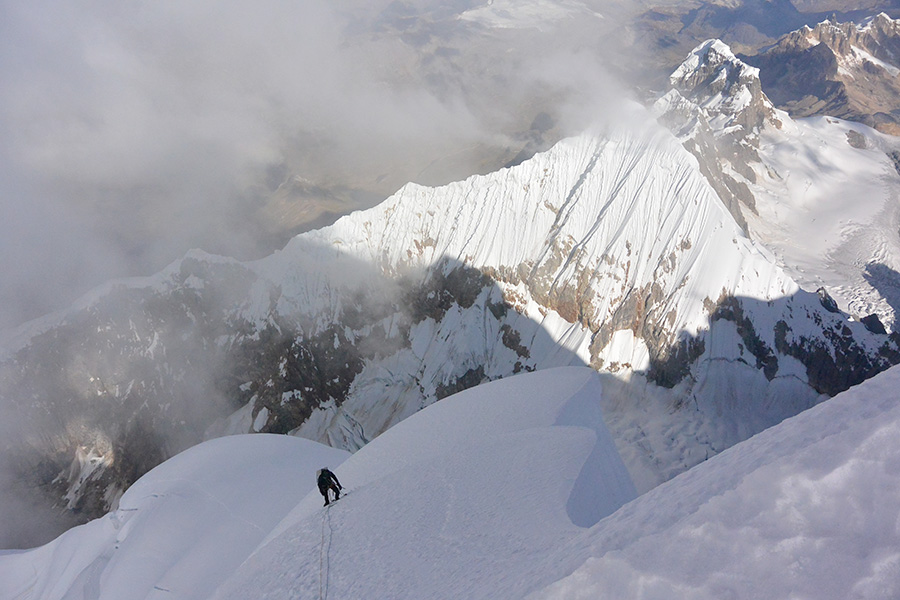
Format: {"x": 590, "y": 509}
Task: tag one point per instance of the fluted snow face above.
{"x": 581, "y": 226}
{"x": 618, "y": 247}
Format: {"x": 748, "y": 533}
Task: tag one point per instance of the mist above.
{"x": 137, "y": 131}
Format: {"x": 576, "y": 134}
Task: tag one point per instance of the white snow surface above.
{"x": 830, "y": 211}
{"x": 806, "y": 509}
{"x": 458, "y": 500}
{"x": 180, "y": 529}
{"x": 495, "y": 476}
{"x": 509, "y": 490}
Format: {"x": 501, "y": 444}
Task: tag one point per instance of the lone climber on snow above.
{"x": 326, "y": 480}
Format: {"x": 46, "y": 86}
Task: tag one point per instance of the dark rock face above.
{"x": 122, "y": 385}
{"x": 441, "y": 290}
{"x": 731, "y": 309}
{"x": 837, "y": 69}
{"x": 670, "y": 366}
{"x": 827, "y": 301}
{"x": 802, "y": 81}
{"x": 895, "y": 158}
{"x": 143, "y": 373}
{"x": 290, "y": 374}
{"x": 470, "y": 378}
{"x": 874, "y": 324}
{"x": 857, "y": 140}
{"x": 836, "y": 362}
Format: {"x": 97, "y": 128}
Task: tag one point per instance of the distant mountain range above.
{"x": 839, "y": 69}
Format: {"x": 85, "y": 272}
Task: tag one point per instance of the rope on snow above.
{"x": 324, "y": 552}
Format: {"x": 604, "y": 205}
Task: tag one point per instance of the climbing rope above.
{"x": 324, "y": 551}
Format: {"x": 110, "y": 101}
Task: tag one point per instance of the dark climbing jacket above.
{"x": 327, "y": 479}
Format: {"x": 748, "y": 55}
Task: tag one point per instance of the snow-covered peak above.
{"x": 724, "y": 86}
{"x": 711, "y": 54}
{"x": 787, "y": 179}
{"x": 717, "y": 108}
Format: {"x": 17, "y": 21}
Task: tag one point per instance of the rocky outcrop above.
{"x": 839, "y": 69}
{"x": 717, "y": 108}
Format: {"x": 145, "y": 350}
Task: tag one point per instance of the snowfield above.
{"x": 462, "y": 499}
{"x": 806, "y": 509}
{"x": 828, "y": 209}
{"x": 180, "y": 529}
{"x": 511, "y": 489}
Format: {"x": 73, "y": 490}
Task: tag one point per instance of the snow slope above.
{"x": 179, "y": 530}
{"x": 830, "y": 210}
{"x": 494, "y": 476}
{"x": 482, "y": 496}
{"x": 459, "y": 499}
{"x": 806, "y": 509}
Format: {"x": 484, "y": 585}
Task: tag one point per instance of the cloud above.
{"x": 135, "y": 131}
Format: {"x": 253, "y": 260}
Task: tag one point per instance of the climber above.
{"x": 326, "y": 480}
